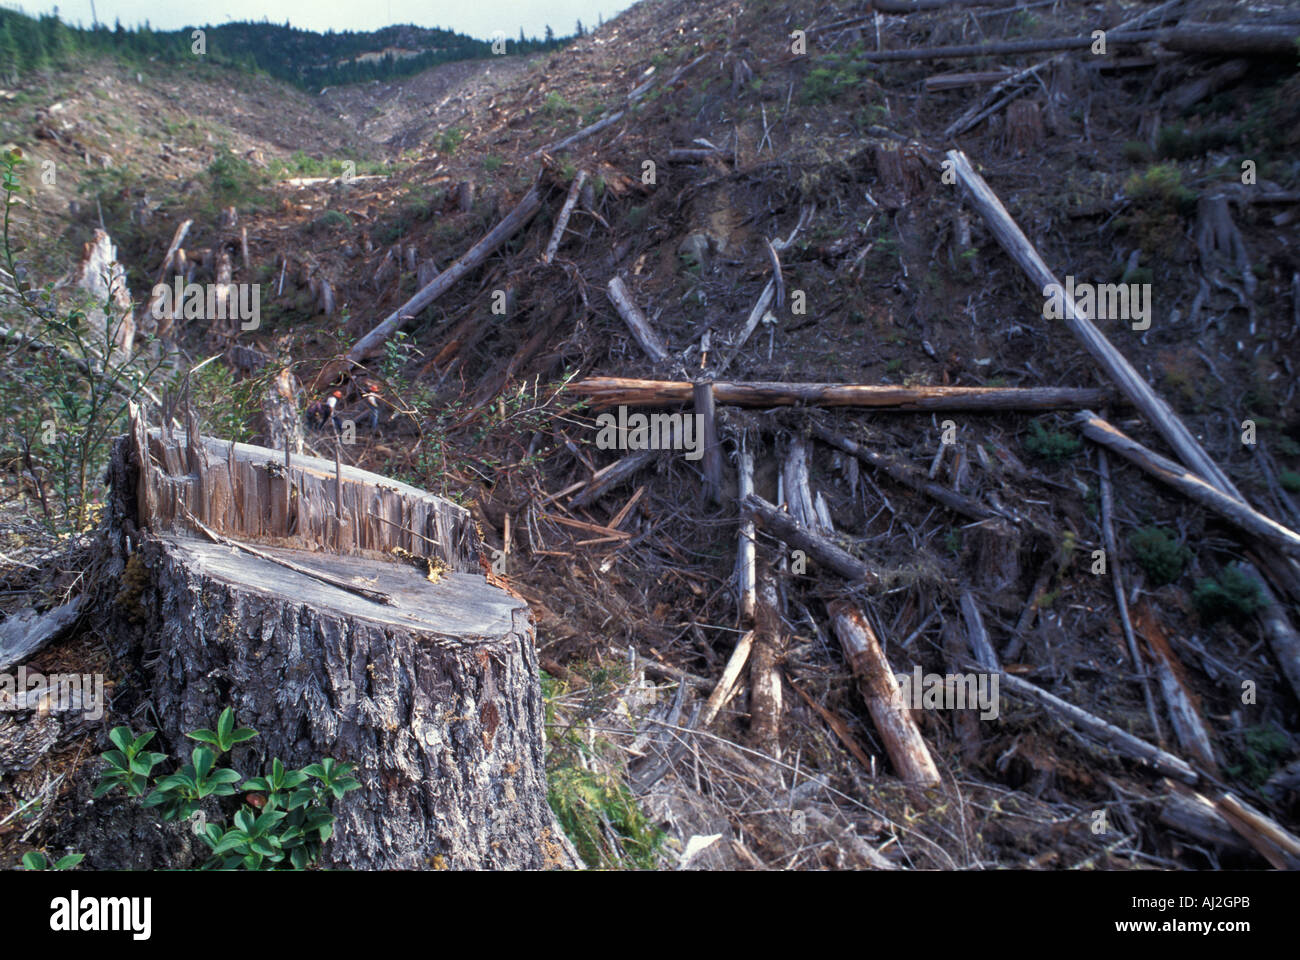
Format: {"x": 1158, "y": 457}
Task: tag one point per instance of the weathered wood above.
{"x": 1283, "y": 638}
{"x": 879, "y": 687}
{"x": 613, "y": 476}
{"x": 166, "y": 268}
{"x": 1184, "y": 709}
{"x": 434, "y": 698}
{"x": 562, "y": 221}
{"x": 798, "y": 488}
{"x": 702, "y": 393}
{"x": 909, "y": 476}
{"x": 1232, "y": 509}
{"x": 111, "y": 312}
{"x": 745, "y": 555}
{"x": 976, "y": 634}
{"x": 1274, "y": 842}
{"x": 1189, "y": 812}
{"x": 726, "y": 685}
{"x": 613, "y": 391}
{"x": 621, "y": 297}
{"x": 26, "y": 632}
{"x": 236, "y": 489}
{"x": 1112, "y": 736}
{"x": 765, "y": 700}
{"x": 1116, "y": 570}
{"x": 784, "y": 528}
{"x": 511, "y": 224}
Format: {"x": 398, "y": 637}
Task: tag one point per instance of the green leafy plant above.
{"x": 130, "y": 764}
{"x": 67, "y": 383}
{"x": 1158, "y": 554}
{"x": 1232, "y": 593}
{"x": 1053, "y": 446}
{"x": 35, "y": 860}
{"x": 595, "y": 808}
{"x": 1263, "y": 747}
{"x": 284, "y": 817}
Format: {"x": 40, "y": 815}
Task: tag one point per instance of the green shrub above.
{"x": 1051, "y": 445}
{"x": 332, "y": 219}
{"x": 1234, "y": 593}
{"x": 1159, "y": 555}
{"x": 1290, "y": 481}
{"x": 1161, "y": 186}
{"x": 286, "y": 829}
{"x": 1135, "y": 151}
{"x": 1263, "y": 748}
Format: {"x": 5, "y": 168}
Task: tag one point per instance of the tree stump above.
{"x": 340, "y": 614}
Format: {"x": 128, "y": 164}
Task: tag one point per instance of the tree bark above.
{"x": 783, "y": 527}
{"x": 621, "y": 297}
{"x": 1235, "y": 511}
{"x": 511, "y": 224}
{"x": 433, "y": 695}
{"x": 893, "y": 721}
{"x": 613, "y": 391}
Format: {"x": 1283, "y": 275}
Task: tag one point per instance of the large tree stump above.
{"x": 352, "y": 620}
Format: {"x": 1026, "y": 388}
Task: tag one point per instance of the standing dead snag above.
{"x": 907, "y": 751}
{"x": 434, "y": 695}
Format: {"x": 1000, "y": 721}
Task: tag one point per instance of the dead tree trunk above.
{"x": 612, "y": 391}
{"x": 391, "y": 651}
{"x": 907, "y": 751}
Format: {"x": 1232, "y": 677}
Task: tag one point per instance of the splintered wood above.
{"x": 246, "y": 493}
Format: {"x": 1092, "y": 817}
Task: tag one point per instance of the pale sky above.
{"x": 479, "y": 18}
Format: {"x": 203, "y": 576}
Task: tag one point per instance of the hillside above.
{"x": 692, "y": 720}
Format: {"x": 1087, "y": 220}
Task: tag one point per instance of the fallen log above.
{"x": 1120, "y": 741}
{"x": 1116, "y": 569}
{"x": 562, "y": 221}
{"x": 1274, "y": 842}
{"x": 1232, "y": 40}
{"x": 727, "y": 682}
{"x": 1283, "y": 638}
{"x": 614, "y": 475}
{"x": 1189, "y": 812}
{"x": 784, "y": 528}
{"x": 765, "y": 700}
{"x": 26, "y": 633}
{"x": 613, "y": 391}
{"x": 1232, "y": 509}
{"x": 621, "y": 297}
{"x": 1184, "y": 712}
{"x": 879, "y": 687}
{"x": 909, "y": 476}
{"x": 745, "y": 554}
{"x": 434, "y": 698}
{"x": 511, "y": 224}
